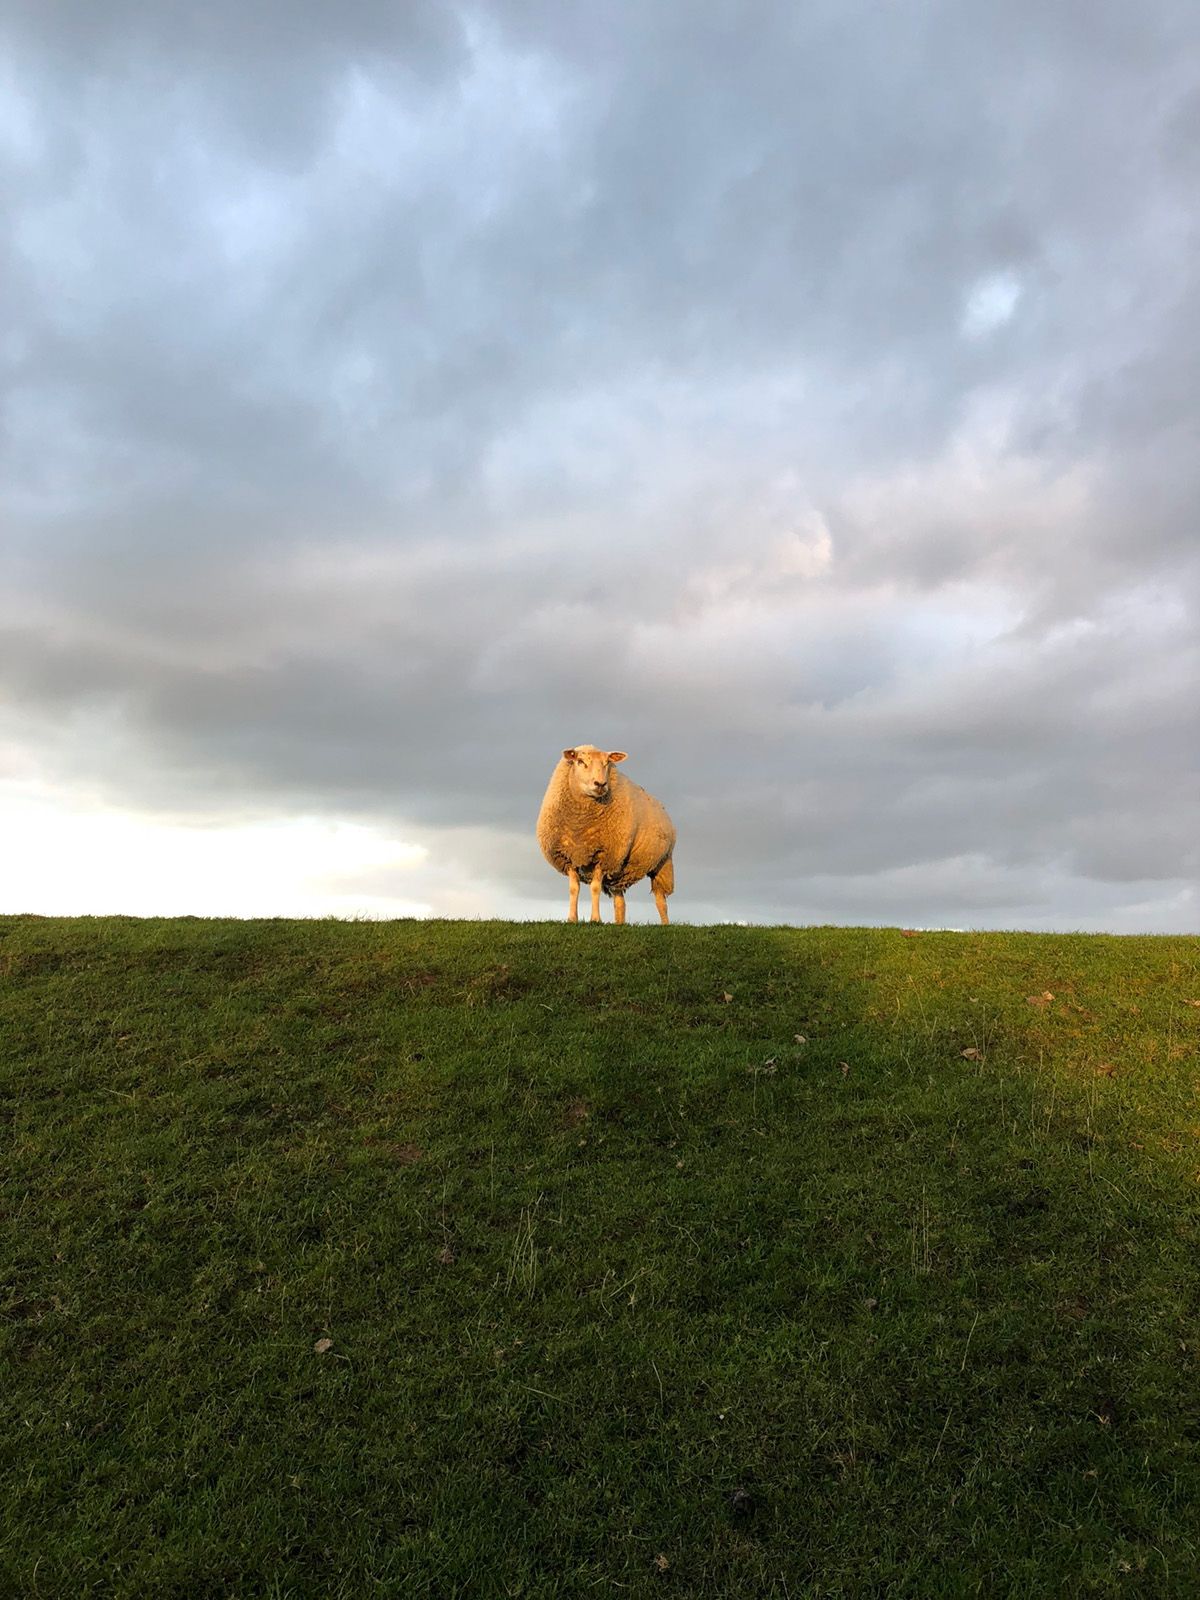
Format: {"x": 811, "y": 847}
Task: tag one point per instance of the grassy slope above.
{"x": 617, "y": 1274}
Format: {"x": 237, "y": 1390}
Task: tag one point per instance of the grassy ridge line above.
{"x": 624, "y": 1285}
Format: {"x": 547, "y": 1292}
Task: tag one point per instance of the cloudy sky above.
{"x": 802, "y": 398}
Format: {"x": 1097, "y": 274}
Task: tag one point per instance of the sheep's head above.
{"x": 590, "y": 770}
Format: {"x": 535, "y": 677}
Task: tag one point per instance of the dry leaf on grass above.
{"x": 727, "y": 997}
{"x": 971, "y": 1054}
{"x": 405, "y": 1154}
{"x": 577, "y": 1111}
{"x": 322, "y": 1345}
{"x": 799, "y": 1038}
{"x": 446, "y": 1256}
{"x": 741, "y": 1503}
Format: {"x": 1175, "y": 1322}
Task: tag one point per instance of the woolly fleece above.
{"x": 627, "y": 835}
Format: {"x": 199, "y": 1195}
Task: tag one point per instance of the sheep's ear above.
{"x": 616, "y": 755}
{"x": 569, "y": 755}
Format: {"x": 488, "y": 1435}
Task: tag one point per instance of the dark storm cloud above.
{"x": 803, "y": 399}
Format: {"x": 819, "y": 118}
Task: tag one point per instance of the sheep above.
{"x": 596, "y": 825}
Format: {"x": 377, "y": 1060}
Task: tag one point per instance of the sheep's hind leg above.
{"x": 573, "y": 906}
{"x": 595, "y": 917}
{"x": 618, "y": 908}
{"x": 663, "y": 884}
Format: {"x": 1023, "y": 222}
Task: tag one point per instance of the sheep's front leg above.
{"x": 596, "y": 894}
{"x": 618, "y": 908}
{"x": 573, "y": 905}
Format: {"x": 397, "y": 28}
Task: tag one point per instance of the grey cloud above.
{"x": 262, "y": 71}
{"x": 400, "y": 383}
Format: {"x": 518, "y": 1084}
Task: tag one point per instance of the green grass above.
{"x": 627, "y": 1289}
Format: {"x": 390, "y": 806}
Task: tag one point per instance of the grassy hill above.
{"x": 441, "y": 1259}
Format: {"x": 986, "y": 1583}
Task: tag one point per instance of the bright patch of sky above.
{"x": 72, "y": 861}
{"x": 991, "y": 303}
